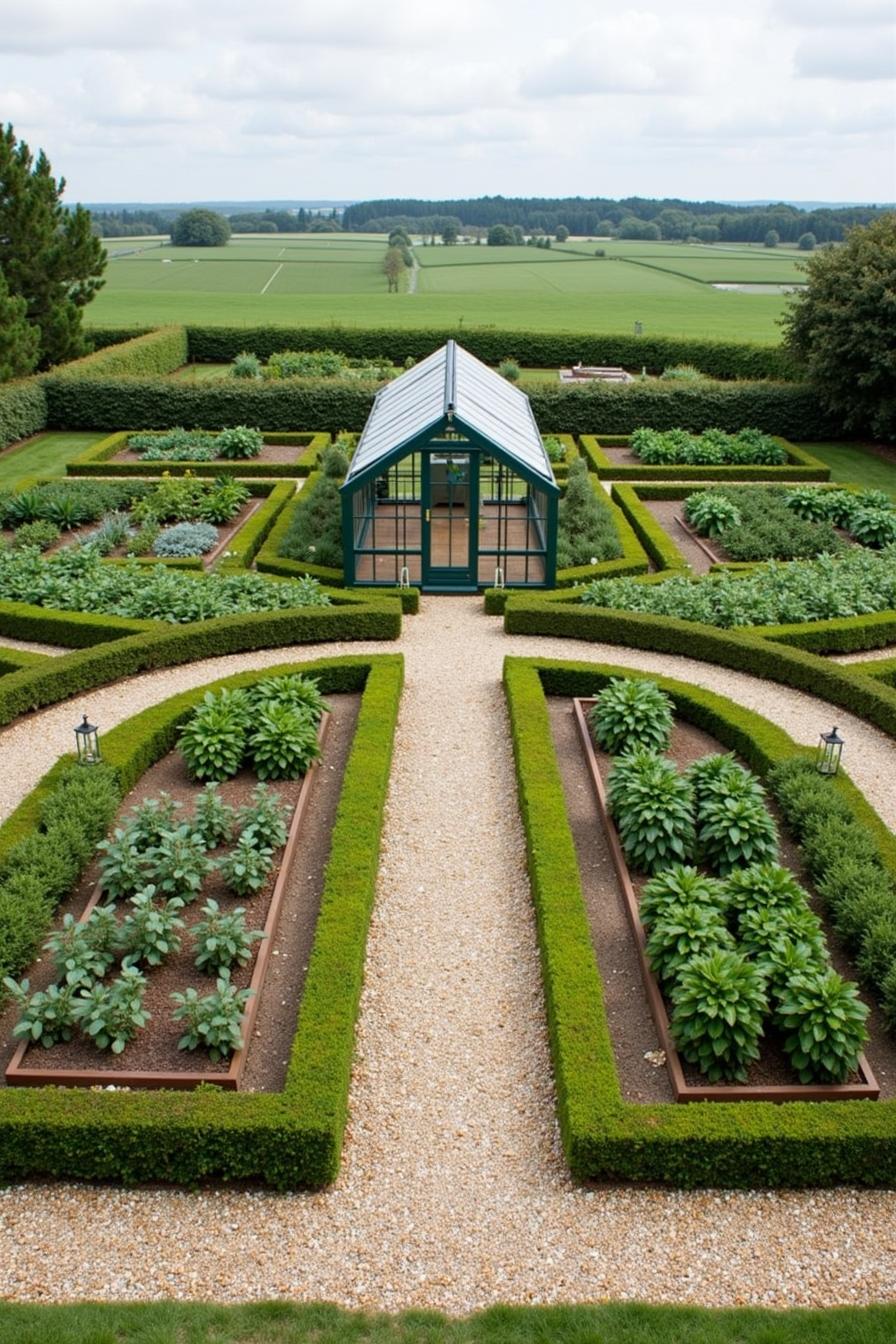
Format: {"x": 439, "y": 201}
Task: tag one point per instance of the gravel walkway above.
{"x": 453, "y": 1194}
{"x": 29, "y": 646}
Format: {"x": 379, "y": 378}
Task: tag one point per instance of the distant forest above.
{"x": 635, "y": 217}
{"x": 135, "y": 223}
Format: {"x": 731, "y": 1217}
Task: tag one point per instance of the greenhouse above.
{"x": 450, "y": 487}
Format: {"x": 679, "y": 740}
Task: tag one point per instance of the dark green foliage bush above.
{"x": 282, "y": 742}
{"x": 735, "y": 830}
{"x": 761, "y": 524}
{"x": 680, "y": 885}
{"x": 682, "y": 933}
{"x": 586, "y": 530}
{"x": 711, "y": 512}
{"x": 41, "y": 533}
{"x": 23, "y": 410}
{"x": 335, "y": 459}
{"x": 823, "y": 1020}
{"x": 719, "y": 1003}
{"x": 748, "y": 447}
{"x": 653, "y": 808}
{"x": 630, "y": 713}
{"x": 213, "y": 740}
{"x": 315, "y": 530}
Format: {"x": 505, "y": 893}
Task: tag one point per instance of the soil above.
{"x": 270, "y": 452}
{"x": 631, "y": 1023}
{"x": 226, "y": 531}
{"x": 155, "y": 1048}
{"x": 666, "y": 511}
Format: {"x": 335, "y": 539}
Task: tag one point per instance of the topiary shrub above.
{"x": 630, "y": 713}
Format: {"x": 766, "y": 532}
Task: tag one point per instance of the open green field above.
{"x": 315, "y": 278}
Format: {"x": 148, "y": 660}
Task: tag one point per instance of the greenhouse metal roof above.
{"x": 451, "y": 390}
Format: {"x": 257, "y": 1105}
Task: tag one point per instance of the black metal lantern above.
{"x": 827, "y": 757}
{"x": 88, "y": 739}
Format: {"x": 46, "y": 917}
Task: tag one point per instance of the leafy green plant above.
{"x": 223, "y": 501}
{"x": 680, "y": 885}
{"x": 245, "y": 365}
{"x": 222, "y": 940}
{"x": 263, "y": 821}
{"x": 186, "y": 539}
{"x": 553, "y": 447}
{"x": 175, "y": 445}
{"x": 213, "y": 819}
{"x": 818, "y": 506}
{"x": 292, "y": 689}
{"x": 733, "y": 830}
{"x": 874, "y": 527}
{"x": 111, "y": 1015}
{"x": 82, "y": 952}
{"x": 586, "y": 529}
{"x": 245, "y": 868}
{"x": 823, "y": 1020}
{"x": 763, "y": 886}
{"x": 653, "y": 808}
{"x": 712, "y": 447}
{"x": 711, "y": 513}
{"x": 213, "y": 1021}
{"x": 143, "y": 538}
{"x": 151, "y": 818}
{"x": 122, "y": 865}
{"x": 214, "y": 739}
{"x": 682, "y": 933}
{"x": 179, "y": 864}
{"x": 760, "y": 928}
{"x": 682, "y": 373}
{"x": 719, "y": 1003}
{"x": 41, "y": 533}
{"x": 151, "y": 932}
{"x": 783, "y": 958}
{"x": 721, "y": 776}
{"x": 282, "y": 742}
{"x": 334, "y": 460}
{"x": 630, "y": 713}
{"x": 239, "y": 442}
{"x": 47, "y": 1015}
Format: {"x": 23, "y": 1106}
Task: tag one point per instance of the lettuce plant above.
{"x": 630, "y": 713}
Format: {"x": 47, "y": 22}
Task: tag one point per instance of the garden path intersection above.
{"x": 453, "y": 1192}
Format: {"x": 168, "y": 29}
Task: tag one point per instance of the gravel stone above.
{"x": 453, "y": 1193}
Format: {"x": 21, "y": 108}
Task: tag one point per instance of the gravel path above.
{"x": 453, "y": 1193}
{"x": 29, "y": 646}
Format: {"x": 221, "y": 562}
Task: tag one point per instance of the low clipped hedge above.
{"x": 97, "y": 460}
{"x": 652, "y": 535}
{"x": 753, "y": 652}
{"x": 110, "y": 647}
{"x": 289, "y": 1139}
{"x": 743, "y": 1144}
{"x": 245, "y": 543}
{"x": 23, "y": 410}
{"x": 801, "y": 465}
{"x": 152, "y": 352}
{"x": 534, "y": 349}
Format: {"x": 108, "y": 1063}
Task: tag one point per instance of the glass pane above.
{"x": 449, "y": 486}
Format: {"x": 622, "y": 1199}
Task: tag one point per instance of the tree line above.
{"x": 632, "y": 217}
{"x": 135, "y": 223}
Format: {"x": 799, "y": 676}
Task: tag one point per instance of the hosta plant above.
{"x": 630, "y": 713}
{"x": 213, "y": 1020}
{"x": 291, "y": 689}
{"x": 152, "y": 931}
{"x": 213, "y": 819}
{"x": 823, "y": 1020}
{"x": 222, "y": 940}
{"x": 263, "y": 821}
{"x": 873, "y": 527}
{"x": 680, "y": 885}
{"x": 223, "y": 502}
{"x": 122, "y": 865}
{"x": 761, "y": 926}
{"x": 239, "y": 442}
{"x": 816, "y": 506}
{"x": 282, "y": 742}
{"x": 711, "y": 513}
{"x": 47, "y": 1015}
{"x": 82, "y": 952}
{"x": 783, "y": 958}
{"x": 652, "y": 806}
{"x": 733, "y": 831}
{"x": 213, "y": 741}
{"x": 179, "y": 864}
{"x": 721, "y": 776}
{"x": 682, "y": 933}
{"x": 763, "y": 886}
{"x": 719, "y": 1003}
{"x": 111, "y": 1015}
{"x": 246, "y": 866}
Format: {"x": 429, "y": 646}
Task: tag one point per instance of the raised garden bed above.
{"x": 769, "y": 1076}
{"x": 611, "y": 457}
{"x": 282, "y": 455}
{"x": 152, "y": 1059}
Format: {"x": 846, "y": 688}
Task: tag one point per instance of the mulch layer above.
{"x": 632, "y": 1027}
{"x": 155, "y": 1047}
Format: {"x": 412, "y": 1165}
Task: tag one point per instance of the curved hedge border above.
{"x": 288, "y": 1139}
{"x": 746, "y": 1144}
{"x": 759, "y": 656}
{"x": 96, "y": 460}
{"x": 801, "y": 465}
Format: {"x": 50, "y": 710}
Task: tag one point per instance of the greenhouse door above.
{"x": 450, "y": 509}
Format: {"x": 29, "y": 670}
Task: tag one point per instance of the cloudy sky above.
{"x": 157, "y": 100}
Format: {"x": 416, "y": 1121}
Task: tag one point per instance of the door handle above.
{"x": 427, "y": 515}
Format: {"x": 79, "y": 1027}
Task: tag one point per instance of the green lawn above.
{"x": 855, "y": 463}
{"x": 281, "y": 1323}
{"x": 44, "y": 455}
{"x": 295, "y": 279}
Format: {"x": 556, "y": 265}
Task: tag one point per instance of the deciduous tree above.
{"x": 200, "y": 228}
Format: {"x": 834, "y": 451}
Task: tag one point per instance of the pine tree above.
{"x": 18, "y": 341}
{"x": 48, "y": 255}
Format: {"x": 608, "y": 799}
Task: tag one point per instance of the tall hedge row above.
{"x": 153, "y": 352}
{"x": 23, "y": 410}
{"x": 537, "y": 349}
{"x": 106, "y": 402}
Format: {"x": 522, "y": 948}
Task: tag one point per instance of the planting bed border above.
{"x": 801, "y": 465}
{"x": 867, "y": 1089}
{"x": 97, "y": 459}
{"x": 19, "y": 1075}
{"x": 289, "y": 1139}
{"x": 744, "y": 1144}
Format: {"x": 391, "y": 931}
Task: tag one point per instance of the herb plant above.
{"x": 184, "y": 539}
{"x": 122, "y": 865}
{"x": 111, "y": 1015}
{"x": 150, "y": 819}
{"x": 214, "y": 1020}
{"x": 151, "y": 932}
{"x": 246, "y": 866}
{"x": 48, "y": 1015}
{"x": 711, "y": 513}
{"x": 222, "y": 940}
{"x": 83, "y": 952}
{"x": 263, "y": 821}
{"x": 239, "y": 442}
{"x": 179, "y": 864}
{"x": 213, "y": 819}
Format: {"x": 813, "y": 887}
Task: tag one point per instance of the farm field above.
{"x": 291, "y": 279}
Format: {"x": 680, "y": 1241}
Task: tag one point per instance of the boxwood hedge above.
{"x": 23, "y": 410}
{"x": 288, "y": 1139}
{"x": 604, "y": 1137}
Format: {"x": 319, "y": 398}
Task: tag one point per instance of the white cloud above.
{"x": 634, "y": 51}
{"x": 833, "y": 13}
{"x": 861, "y": 55}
